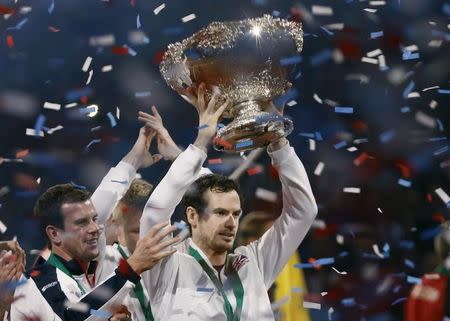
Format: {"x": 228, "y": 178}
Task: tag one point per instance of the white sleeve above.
{"x": 275, "y": 247}
{"x": 169, "y": 192}
{"x": 108, "y": 194}
{"x": 112, "y": 188}
{"x": 160, "y": 207}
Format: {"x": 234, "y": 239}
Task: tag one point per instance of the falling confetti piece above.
{"x": 343, "y": 110}
{"x": 340, "y": 145}
{"x": 319, "y": 169}
{"x": 374, "y": 53}
{"x": 53, "y": 106}
{"x": 322, "y": 10}
{"x": 53, "y": 29}
{"x": 311, "y": 305}
{"x": 442, "y": 195}
{"x": 370, "y": 60}
{"x": 32, "y": 132}
{"x": 107, "y": 68}
{"x": 112, "y": 120}
{"x": 138, "y": 22}
{"x": 188, "y": 18}
{"x": 266, "y": 195}
{"x": 376, "y": 250}
{"x": 51, "y": 7}
{"x": 101, "y": 314}
{"x": 376, "y": 34}
{"x": 159, "y": 8}
{"x": 207, "y": 290}
{"x": 3, "y": 228}
{"x": 413, "y": 280}
{"x": 86, "y": 64}
{"x": 91, "y": 72}
{"x": 9, "y": 41}
{"x": 94, "y": 141}
{"x": 354, "y": 190}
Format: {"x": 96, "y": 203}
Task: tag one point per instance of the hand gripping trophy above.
{"x": 245, "y": 61}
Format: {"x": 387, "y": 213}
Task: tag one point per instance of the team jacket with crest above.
{"x": 104, "y": 282}
{"x": 179, "y": 288}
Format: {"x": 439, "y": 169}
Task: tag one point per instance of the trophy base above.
{"x": 250, "y": 131}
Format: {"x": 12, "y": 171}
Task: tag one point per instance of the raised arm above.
{"x": 275, "y": 247}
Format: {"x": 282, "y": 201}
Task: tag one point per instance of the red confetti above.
{"x": 22, "y": 153}
{"x": 34, "y": 273}
{"x": 406, "y": 170}
{"x": 429, "y": 197}
{"x": 312, "y": 261}
{"x": 84, "y": 100}
{"x": 215, "y": 161}
{"x": 158, "y": 57}
{"x": 119, "y": 50}
{"x": 223, "y": 143}
{"x": 360, "y": 159}
{"x": 10, "y": 41}
{"x": 6, "y": 10}
{"x": 438, "y": 217}
{"x": 254, "y": 170}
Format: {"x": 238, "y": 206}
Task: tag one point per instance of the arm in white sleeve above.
{"x": 169, "y": 192}
{"x": 275, "y": 247}
{"x": 108, "y": 194}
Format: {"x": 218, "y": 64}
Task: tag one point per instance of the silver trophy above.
{"x": 249, "y": 62}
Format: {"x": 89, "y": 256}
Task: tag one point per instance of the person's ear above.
{"x": 54, "y": 234}
{"x": 192, "y": 216}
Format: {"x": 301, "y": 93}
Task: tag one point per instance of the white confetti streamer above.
{"x": 32, "y": 132}
{"x": 354, "y": 190}
{"x": 311, "y": 305}
{"x": 374, "y": 53}
{"x": 339, "y": 272}
{"x": 370, "y": 60}
{"x": 292, "y": 103}
{"x": 377, "y": 251}
{"x": 443, "y": 195}
{"x": 425, "y": 119}
{"x": 188, "y": 17}
{"x": 318, "y": 99}
{"x": 322, "y": 10}
{"x": 3, "y": 228}
{"x": 54, "y": 129}
{"x": 266, "y": 195}
{"x": 312, "y": 144}
{"x": 71, "y": 105}
{"x": 107, "y": 68}
{"x": 86, "y": 64}
{"x": 53, "y": 106}
{"x": 319, "y": 169}
{"x": 90, "y": 77}
{"x": 159, "y": 8}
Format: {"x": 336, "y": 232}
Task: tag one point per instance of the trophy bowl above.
{"x": 248, "y": 62}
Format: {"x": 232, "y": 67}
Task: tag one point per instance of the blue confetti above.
{"x": 101, "y": 314}
{"x": 408, "y": 89}
{"x": 297, "y": 290}
{"x": 387, "y": 136}
{"x": 118, "y": 181}
{"x": 298, "y": 75}
{"x": 405, "y": 109}
{"x": 318, "y": 136}
{"x": 407, "y": 55}
{"x": 19, "y": 25}
{"x": 309, "y": 135}
{"x": 220, "y": 125}
{"x": 172, "y": 31}
{"x": 413, "y": 280}
{"x": 444, "y": 91}
{"x": 430, "y": 233}
{"x": 202, "y": 126}
{"x": 77, "y": 186}
{"x": 324, "y": 261}
{"x": 94, "y": 141}
{"x": 327, "y": 31}
{"x": 410, "y": 264}
{"x": 348, "y": 302}
{"x": 386, "y": 248}
{"x": 141, "y": 94}
{"x": 131, "y": 51}
{"x": 112, "y": 120}
{"x": 243, "y": 144}
{"x": 303, "y": 265}
{"x": 208, "y": 290}
{"x": 39, "y": 123}
{"x": 340, "y": 144}
{"x": 52, "y": 7}
{"x": 437, "y": 139}
{"x": 88, "y": 110}
{"x": 321, "y": 57}
{"x": 404, "y": 182}
{"x": 291, "y": 60}
{"x": 440, "y": 126}
{"x": 276, "y": 13}
{"x": 181, "y": 225}
{"x": 343, "y": 254}
{"x": 398, "y": 301}
{"x": 343, "y": 110}
{"x": 138, "y": 22}
{"x": 440, "y": 151}
{"x": 376, "y": 34}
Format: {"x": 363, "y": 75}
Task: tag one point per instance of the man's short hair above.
{"x": 48, "y": 206}
{"x": 136, "y": 197}
{"x": 253, "y": 225}
{"x": 195, "y": 196}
